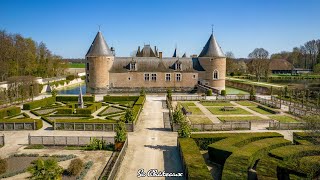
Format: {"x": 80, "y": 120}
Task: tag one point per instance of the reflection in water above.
{"x": 73, "y": 90}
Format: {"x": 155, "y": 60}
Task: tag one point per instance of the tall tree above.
{"x": 259, "y": 65}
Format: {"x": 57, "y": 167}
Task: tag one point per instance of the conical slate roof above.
{"x": 99, "y": 47}
{"x": 175, "y": 53}
{"x": 212, "y": 49}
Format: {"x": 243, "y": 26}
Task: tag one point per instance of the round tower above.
{"x": 213, "y": 60}
{"x": 99, "y": 60}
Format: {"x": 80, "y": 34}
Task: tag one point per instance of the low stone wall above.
{"x": 188, "y": 98}
{"x": 247, "y": 87}
{"x": 151, "y": 90}
{"x": 2, "y": 143}
{"x": 287, "y": 126}
{"x": 228, "y": 126}
{"x": 67, "y": 140}
{"x": 234, "y": 97}
{"x": 109, "y": 127}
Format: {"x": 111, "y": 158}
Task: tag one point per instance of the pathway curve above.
{"x": 212, "y": 117}
{"x": 151, "y": 146}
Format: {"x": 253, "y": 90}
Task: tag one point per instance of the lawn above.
{"x": 195, "y": 111}
{"x": 284, "y": 119}
{"x": 199, "y": 120}
{"x": 218, "y": 111}
{"x": 213, "y": 103}
{"x": 187, "y": 104}
{"x": 230, "y": 90}
{"x": 246, "y": 103}
{"x": 258, "y": 110}
{"x": 240, "y": 118}
{"x": 76, "y": 65}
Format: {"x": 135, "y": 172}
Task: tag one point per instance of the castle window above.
{"x": 87, "y": 77}
{"x": 153, "y": 77}
{"x": 133, "y": 66}
{"x": 146, "y": 77}
{"x": 178, "y": 66}
{"x": 194, "y": 76}
{"x": 168, "y": 77}
{"x": 129, "y": 78}
{"x": 215, "y": 74}
{"x": 178, "y": 77}
{"x": 88, "y": 66}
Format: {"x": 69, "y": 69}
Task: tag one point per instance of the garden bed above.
{"x": 219, "y": 111}
{"x": 199, "y": 120}
{"x": 240, "y": 118}
{"x": 246, "y": 103}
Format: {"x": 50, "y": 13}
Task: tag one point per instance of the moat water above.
{"x": 73, "y": 89}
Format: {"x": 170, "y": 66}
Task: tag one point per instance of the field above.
{"x": 76, "y": 65}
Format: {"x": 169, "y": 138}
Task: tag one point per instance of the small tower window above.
{"x": 215, "y": 74}
{"x": 178, "y": 77}
{"x": 87, "y": 77}
{"x": 146, "y": 77}
{"x": 87, "y": 66}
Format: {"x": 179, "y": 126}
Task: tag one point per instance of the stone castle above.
{"x": 152, "y": 72}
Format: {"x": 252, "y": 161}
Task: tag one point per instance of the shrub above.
{"x": 223, "y": 92}
{"x": 3, "y": 166}
{"x": 129, "y": 116}
{"x": 45, "y": 169}
{"x": 71, "y": 77}
{"x": 142, "y": 92}
{"x": 194, "y": 162}
{"x": 136, "y": 109}
{"x": 89, "y": 110}
{"x": 75, "y": 98}
{"x": 120, "y": 98}
{"x": 83, "y": 173}
{"x": 39, "y": 103}
{"x": 268, "y": 110}
{"x": 64, "y": 111}
{"x": 75, "y": 167}
{"x": 121, "y": 132}
{"x": 185, "y": 130}
{"x": 209, "y": 92}
{"x": 10, "y": 111}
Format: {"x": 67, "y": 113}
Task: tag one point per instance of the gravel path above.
{"x": 213, "y": 118}
{"x": 151, "y": 146}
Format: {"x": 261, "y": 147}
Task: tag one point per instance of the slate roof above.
{"x": 212, "y": 49}
{"x": 153, "y": 64}
{"x": 99, "y": 47}
{"x": 146, "y": 52}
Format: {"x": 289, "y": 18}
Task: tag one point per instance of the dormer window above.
{"x": 133, "y": 66}
{"x": 178, "y": 66}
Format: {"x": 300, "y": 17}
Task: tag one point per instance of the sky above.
{"x": 68, "y": 27}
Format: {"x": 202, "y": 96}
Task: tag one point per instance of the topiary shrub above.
{"x": 75, "y": 167}
{"x": 3, "y": 166}
{"x": 39, "y": 103}
{"x": 209, "y": 92}
{"x": 223, "y": 93}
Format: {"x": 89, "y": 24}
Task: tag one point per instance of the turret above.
{"x": 99, "y": 60}
{"x": 213, "y": 60}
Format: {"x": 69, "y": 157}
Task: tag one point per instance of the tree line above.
{"x": 20, "y": 56}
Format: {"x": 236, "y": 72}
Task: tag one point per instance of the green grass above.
{"x": 218, "y": 111}
{"x": 295, "y": 151}
{"x": 199, "y": 120}
{"x": 195, "y": 111}
{"x": 231, "y": 90}
{"x": 285, "y": 119}
{"x": 240, "y": 118}
{"x": 258, "y": 110}
{"x": 35, "y": 146}
{"x": 246, "y": 103}
{"x": 76, "y": 65}
{"x": 213, "y": 103}
{"x": 187, "y": 104}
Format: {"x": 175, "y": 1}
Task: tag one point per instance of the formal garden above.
{"x": 265, "y": 155}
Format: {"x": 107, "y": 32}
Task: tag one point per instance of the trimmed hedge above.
{"x": 141, "y": 100}
{"x": 38, "y": 122}
{"x": 304, "y": 138}
{"x": 294, "y": 151}
{"x": 194, "y": 162}
{"x": 221, "y": 150}
{"x": 39, "y": 103}
{"x": 136, "y": 111}
{"x": 10, "y": 111}
{"x": 75, "y": 98}
{"x": 89, "y": 110}
{"x": 240, "y": 161}
{"x": 120, "y": 98}
{"x": 64, "y": 111}
{"x": 268, "y": 109}
{"x": 84, "y": 121}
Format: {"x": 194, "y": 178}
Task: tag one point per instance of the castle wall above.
{"x": 98, "y": 73}
{"x": 211, "y": 64}
{"x": 136, "y": 80}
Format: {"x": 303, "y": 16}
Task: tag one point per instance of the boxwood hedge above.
{"x": 10, "y": 111}
{"x": 120, "y": 98}
{"x": 193, "y": 160}
{"x": 38, "y": 122}
{"x": 39, "y": 103}
{"x": 75, "y": 98}
{"x": 295, "y": 151}
{"x": 241, "y": 160}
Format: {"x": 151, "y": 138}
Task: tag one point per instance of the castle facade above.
{"x": 150, "y": 71}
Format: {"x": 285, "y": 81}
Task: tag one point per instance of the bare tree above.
{"x": 259, "y": 65}
{"x": 259, "y": 53}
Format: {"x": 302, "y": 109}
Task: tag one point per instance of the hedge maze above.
{"x": 264, "y": 155}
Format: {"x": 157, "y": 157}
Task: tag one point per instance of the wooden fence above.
{"x": 13, "y": 126}
{"x": 2, "y": 143}
{"x": 227, "y": 126}
{"x": 119, "y": 157}
{"x": 188, "y": 98}
{"x": 267, "y": 102}
{"x": 296, "y": 104}
{"x": 109, "y": 127}
{"x": 287, "y": 126}
{"x": 67, "y": 140}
